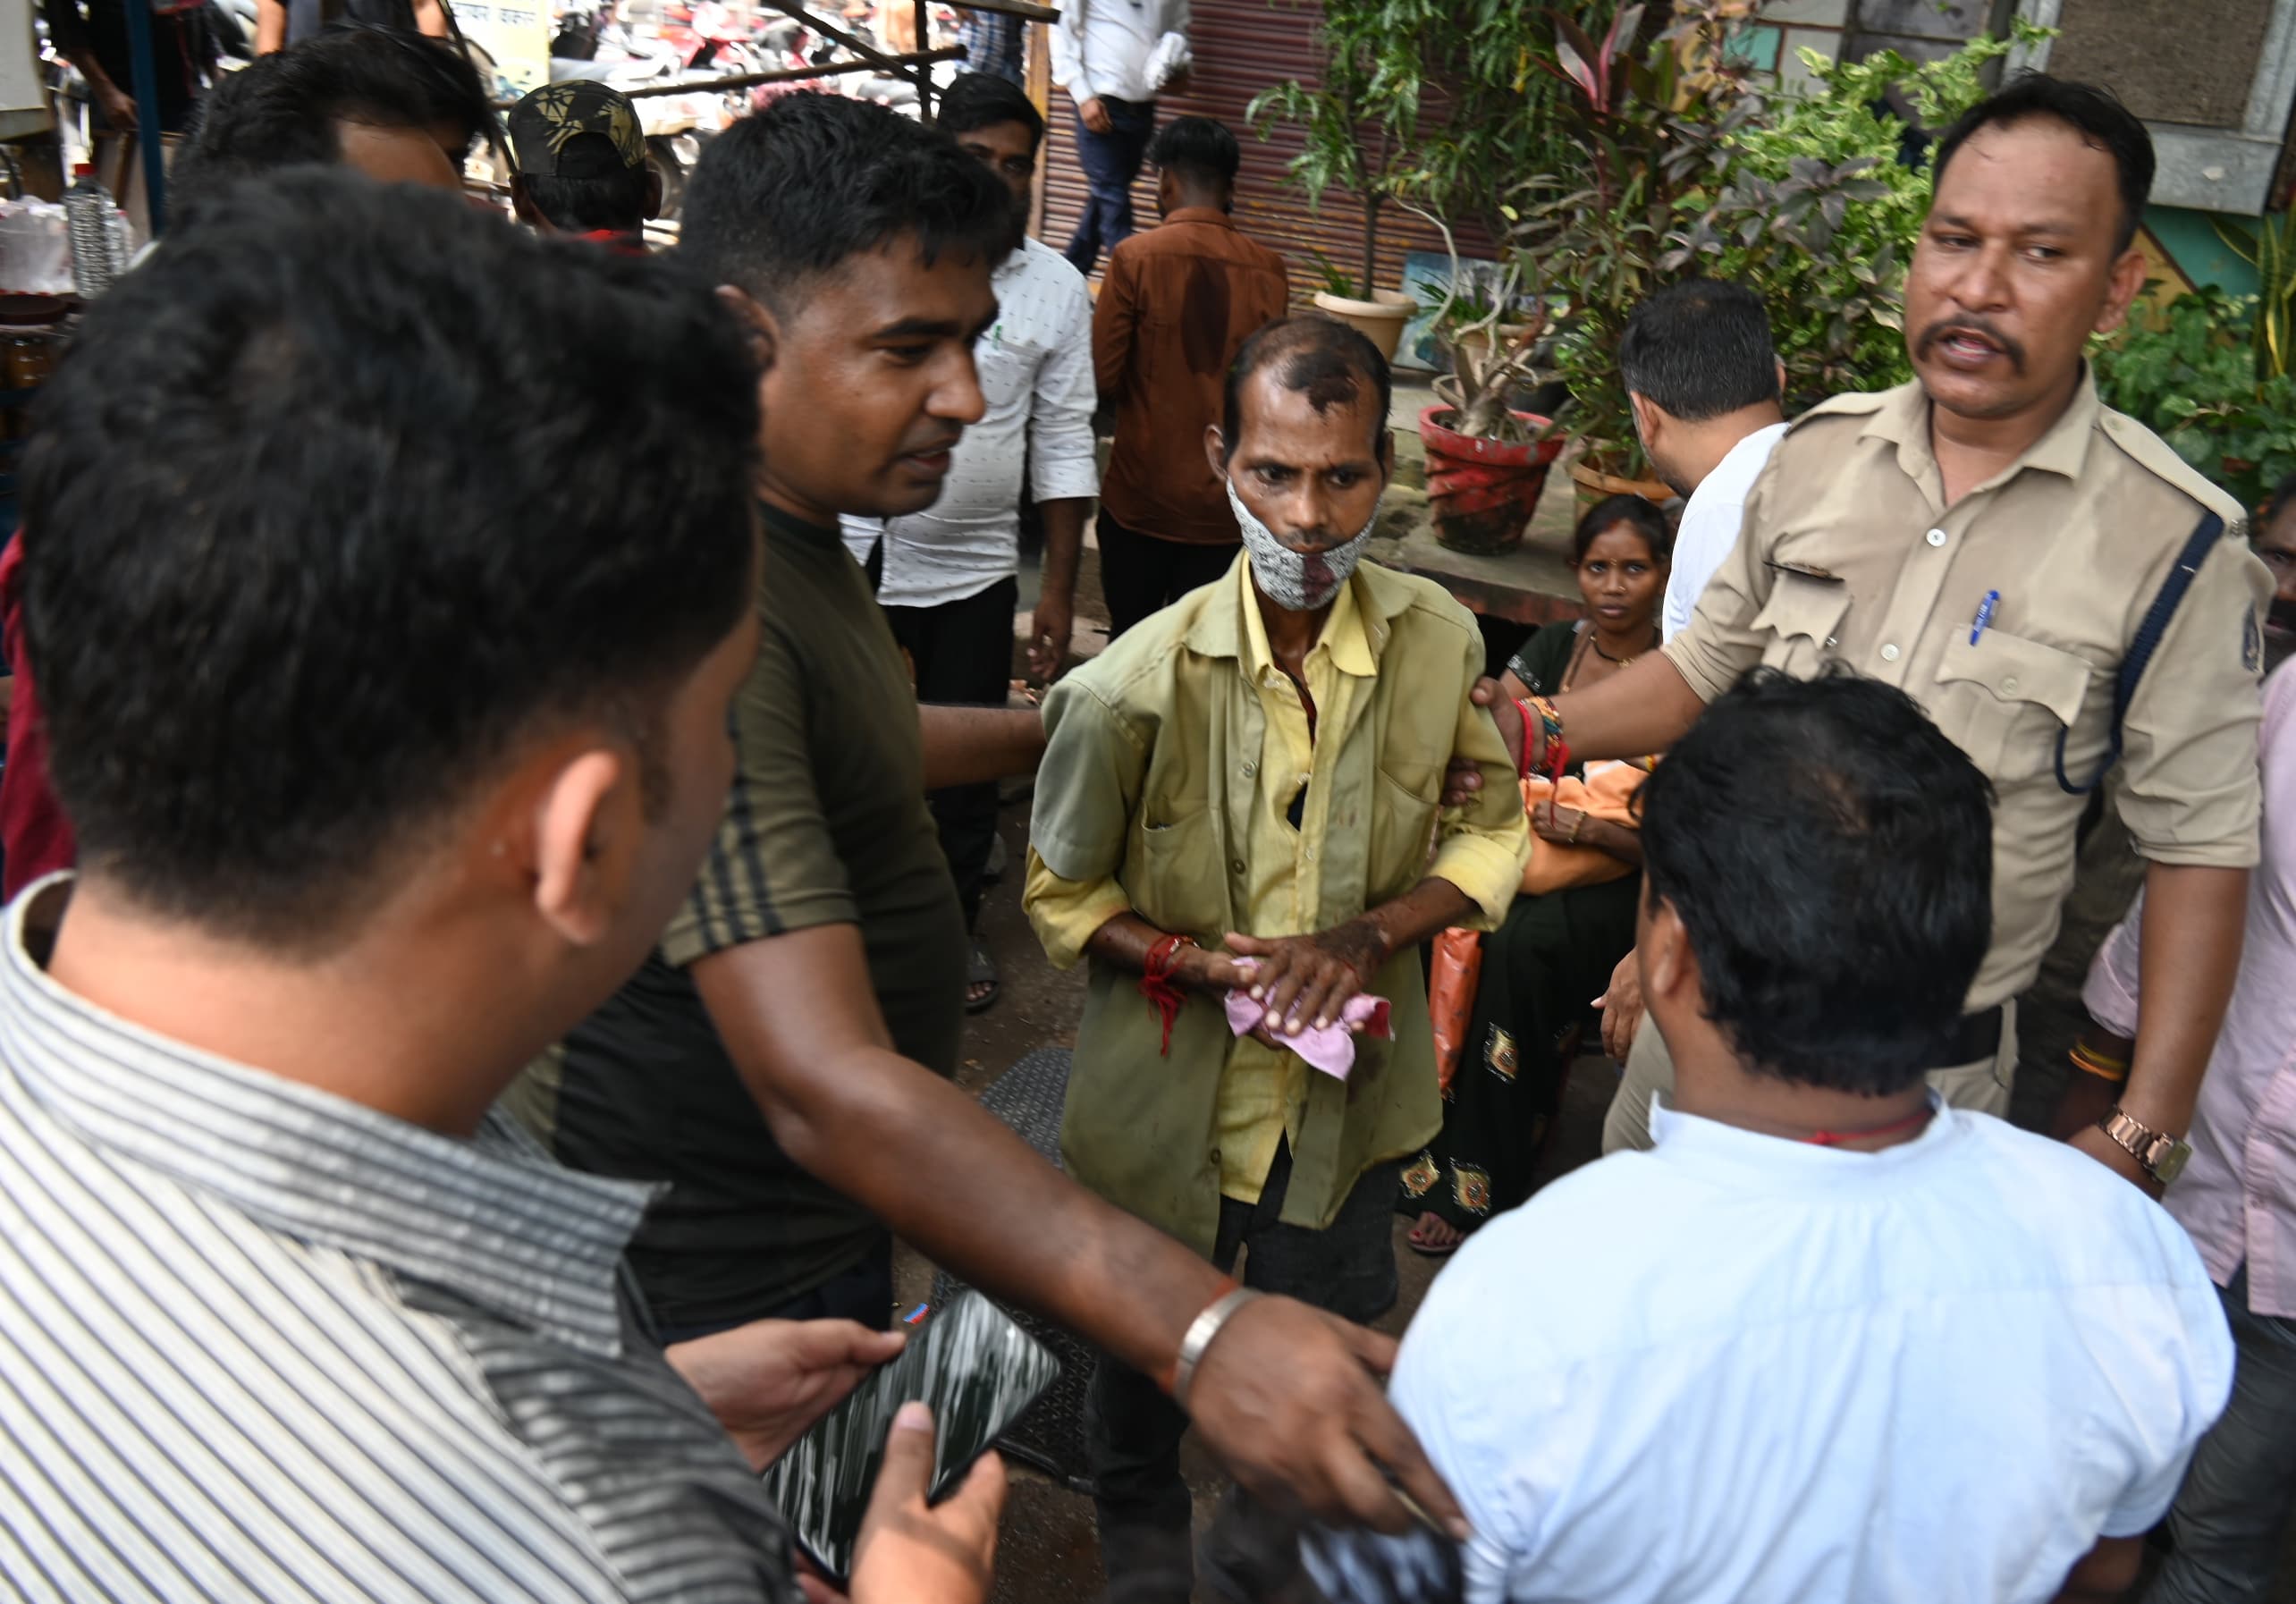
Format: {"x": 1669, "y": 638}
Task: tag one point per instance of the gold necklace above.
{"x": 1606, "y": 657}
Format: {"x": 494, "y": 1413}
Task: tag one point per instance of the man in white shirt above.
{"x": 1112, "y": 56}
{"x": 1705, "y": 386}
{"x": 948, "y": 576}
{"x": 1829, "y": 1339}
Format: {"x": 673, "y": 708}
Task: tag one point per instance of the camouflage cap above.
{"x": 546, "y": 129}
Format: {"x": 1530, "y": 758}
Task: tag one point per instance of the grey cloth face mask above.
{"x": 1292, "y": 581}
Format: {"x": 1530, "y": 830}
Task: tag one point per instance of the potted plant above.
{"x": 1811, "y": 202}
{"x": 1378, "y": 315}
{"x": 1487, "y": 461}
{"x": 1644, "y": 114}
{"x": 1356, "y": 126}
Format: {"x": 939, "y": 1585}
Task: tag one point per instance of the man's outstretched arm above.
{"x": 1638, "y": 710}
{"x": 2194, "y": 918}
{"x": 969, "y": 745}
{"x": 1286, "y": 1396}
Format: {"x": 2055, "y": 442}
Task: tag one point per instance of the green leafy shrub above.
{"x": 1811, "y": 201}
{"x": 2187, "y": 372}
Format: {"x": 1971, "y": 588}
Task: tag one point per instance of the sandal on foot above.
{"x": 981, "y": 969}
{"x": 1431, "y": 1251}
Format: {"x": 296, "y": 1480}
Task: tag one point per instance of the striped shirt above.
{"x": 995, "y": 42}
{"x": 258, "y": 1342}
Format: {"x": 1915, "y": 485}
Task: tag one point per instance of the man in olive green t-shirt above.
{"x": 819, "y": 969}
{"x": 822, "y": 829}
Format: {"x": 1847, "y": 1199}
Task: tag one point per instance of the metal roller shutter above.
{"x": 1241, "y": 47}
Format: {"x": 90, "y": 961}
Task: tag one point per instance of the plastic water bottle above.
{"x": 87, "y": 213}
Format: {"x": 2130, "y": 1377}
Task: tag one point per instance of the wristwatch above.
{"x": 2161, "y": 1157}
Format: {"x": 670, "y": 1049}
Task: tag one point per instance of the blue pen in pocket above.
{"x": 1984, "y": 614}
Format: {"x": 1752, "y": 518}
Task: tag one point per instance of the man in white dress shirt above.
{"x": 1706, "y": 387}
{"x": 1112, "y": 56}
{"x": 1828, "y": 1339}
{"x": 948, "y": 576}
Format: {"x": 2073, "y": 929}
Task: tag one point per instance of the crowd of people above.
{"x": 501, "y": 770}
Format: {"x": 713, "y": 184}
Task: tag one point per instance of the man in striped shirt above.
{"x": 386, "y": 583}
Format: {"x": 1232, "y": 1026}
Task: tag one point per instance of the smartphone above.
{"x": 974, "y": 1368}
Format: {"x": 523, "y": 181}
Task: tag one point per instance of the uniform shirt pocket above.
{"x": 1404, "y": 806}
{"x": 1182, "y": 880}
{"x": 2004, "y": 700}
{"x": 1797, "y": 625}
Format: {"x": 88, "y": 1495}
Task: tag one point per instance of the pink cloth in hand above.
{"x": 1330, "y": 1048}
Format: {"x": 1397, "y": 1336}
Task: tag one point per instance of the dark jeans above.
{"x": 2230, "y": 1515}
{"x": 1110, "y": 161}
{"x": 963, "y": 653}
{"x": 1133, "y": 1431}
{"x": 864, "y": 1292}
{"x": 1140, "y": 574}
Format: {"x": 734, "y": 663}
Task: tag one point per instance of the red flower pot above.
{"x": 1482, "y": 493}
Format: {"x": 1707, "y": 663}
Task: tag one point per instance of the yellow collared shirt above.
{"x": 1202, "y": 743}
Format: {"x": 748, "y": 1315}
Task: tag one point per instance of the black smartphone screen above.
{"x": 975, "y": 1370}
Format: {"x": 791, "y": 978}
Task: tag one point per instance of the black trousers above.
{"x": 1133, "y": 1431}
{"x": 963, "y": 654}
{"x": 1140, "y": 574}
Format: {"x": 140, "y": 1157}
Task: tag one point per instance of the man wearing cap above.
{"x": 581, "y": 165}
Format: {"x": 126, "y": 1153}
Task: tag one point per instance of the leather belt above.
{"x": 1978, "y": 1036}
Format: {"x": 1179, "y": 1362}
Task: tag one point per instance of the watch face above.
{"x": 2172, "y": 1163}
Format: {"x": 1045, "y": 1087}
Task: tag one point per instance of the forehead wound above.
{"x": 1325, "y": 378}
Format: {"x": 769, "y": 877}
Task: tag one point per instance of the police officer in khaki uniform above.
{"x": 1989, "y": 538}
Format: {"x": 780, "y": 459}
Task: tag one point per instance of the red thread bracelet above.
{"x": 1530, "y": 718}
{"x": 1158, "y": 986}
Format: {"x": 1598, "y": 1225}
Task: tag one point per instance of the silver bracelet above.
{"x": 1201, "y": 1332}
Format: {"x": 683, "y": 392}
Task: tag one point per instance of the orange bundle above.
{"x": 1607, "y": 793}
{"x": 1451, "y": 983}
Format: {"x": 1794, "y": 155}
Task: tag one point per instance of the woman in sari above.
{"x": 1556, "y": 950}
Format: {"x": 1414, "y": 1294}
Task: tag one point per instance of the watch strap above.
{"x": 2159, "y": 1154}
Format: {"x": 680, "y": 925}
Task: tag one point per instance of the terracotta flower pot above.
{"x": 1379, "y": 320}
{"x": 1482, "y": 493}
{"x": 1594, "y": 486}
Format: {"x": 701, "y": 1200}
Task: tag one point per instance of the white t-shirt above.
{"x": 1738, "y": 1370}
{"x": 1711, "y": 520}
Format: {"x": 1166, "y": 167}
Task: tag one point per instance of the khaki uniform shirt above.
{"x": 1850, "y": 556}
{"x": 1172, "y": 762}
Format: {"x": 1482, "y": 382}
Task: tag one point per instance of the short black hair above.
{"x": 2282, "y": 494}
{"x": 2090, "y": 110}
{"x": 1196, "y": 147}
{"x": 614, "y": 199}
{"x": 1699, "y": 350}
{"x": 983, "y": 100}
{"x": 1830, "y": 854}
{"x": 337, "y": 503}
{"x": 795, "y": 191}
{"x": 1331, "y": 362}
{"x": 281, "y": 110}
{"x": 1636, "y": 512}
